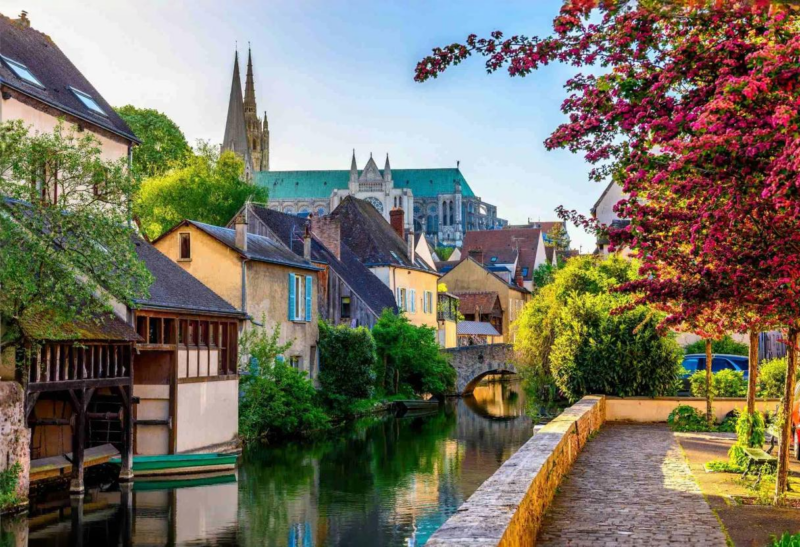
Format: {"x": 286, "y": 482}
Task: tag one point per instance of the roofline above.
{"x": 593, "y": 210}
{"x": 139, "y": 305}
{"x": 131, "y": 137}
{"x": 392, "y": 264}
{"x": 523, "y": 290}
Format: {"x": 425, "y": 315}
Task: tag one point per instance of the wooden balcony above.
{"x": 59, "y": 366}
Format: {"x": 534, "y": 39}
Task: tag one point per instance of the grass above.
{"x": 722, "y": 466}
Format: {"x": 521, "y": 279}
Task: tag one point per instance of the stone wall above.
{"x": 508, "y": 508}
{"x": 657, "y": 409}
{"x": 14, "y": 435}
{"x": 473, "y": 362}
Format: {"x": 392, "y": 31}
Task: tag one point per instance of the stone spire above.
{"x": 265, "y": 144}
{"x": 249, "y": 87}
{"x": 353, "y": 168}
{"x": 387, "y": 170}
{"x": 235, "y": 138}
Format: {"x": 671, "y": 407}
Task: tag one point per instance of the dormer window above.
{"x": 88, "y": 102}
{"x": 22, "y": 72}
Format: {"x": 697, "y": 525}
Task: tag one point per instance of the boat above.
{"x": 166, "y": 482}
{"x": 417, "y": 404}
{"x": 180, "y": 464}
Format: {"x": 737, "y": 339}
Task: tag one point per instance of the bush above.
{"x": 9, "y": 479}
{"x": 277, "y": 400}
{"x": 687, "y": 418}
{"x": 347, "y": 356}
{"x": 750, "y": 433}
{"x": 725, "y": 383}
{"x": 726, "y": 345}
{"x": 786, "y": 540}
{"x": 772, "y": 377}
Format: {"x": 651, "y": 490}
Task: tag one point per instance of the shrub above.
{"x": 687, "y": 418}
{"x": 726, "y": 345}
{"x": 750, "y": 430}
{"x": 277, "y": 400}
{"x": 9, "y": 479}
{"x": 786, "y": 540}
{"x": 347, "y": 367}
{"x": 725, "y": 383}
{"x": 772, "y": 377}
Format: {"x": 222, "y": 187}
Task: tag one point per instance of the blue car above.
{"x": 697, "y": 361}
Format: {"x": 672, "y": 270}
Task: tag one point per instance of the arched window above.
{"x": 432, "y": 225}
{"x": 452, "y": 221}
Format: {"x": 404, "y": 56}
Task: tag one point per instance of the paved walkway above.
{"x": 631, "y": 485}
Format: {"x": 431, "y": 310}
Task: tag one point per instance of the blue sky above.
{"x": 334, "y": 76}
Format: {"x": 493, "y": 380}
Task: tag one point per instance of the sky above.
{"x": 335, "y": 76}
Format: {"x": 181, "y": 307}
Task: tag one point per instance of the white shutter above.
{"x": 413, "y": 298}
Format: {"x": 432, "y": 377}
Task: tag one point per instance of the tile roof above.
{"x": 175, "y": 288}
{"x": 372, "y": 238}
{"x": 55, "y": 71}
{"x": 488, "y": 270}
{"x": 259, "y": 248}
{"x": 320, "y": 184}
{"x": 471, "y": 302}
{"x": 476, "y": 328}
{"x": 290, "y": 229}
{"x": 503, "y": 244}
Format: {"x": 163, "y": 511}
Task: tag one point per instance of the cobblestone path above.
{"x": 631, "y": 485}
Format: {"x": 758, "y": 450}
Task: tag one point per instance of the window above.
{"x": 718, "y": 363}
{"x": 296, "y": 361}
{"x": 298, "y": 302}
{"x": 691, "y": 365}
{"x": 185, "y": 246}
{"x": 525, "y": 272}
{"x": 494, "y": 259}
{"x": 401, "y": 299}
{"x": 88, "y": 102}
{"x": 300, "y": 297}
{"x": 412, "y": 301}
{"x": 345, "y": 307}
{"x": 22, "y": 72}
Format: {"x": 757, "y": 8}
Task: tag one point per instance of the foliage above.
{"x": 347, "y": 369}
{"x": 63, "y": 257}
{"x": 9, "y": 479}
{"x": 772, "y": 377}
{"x": 750, "y": 433}
{"x": 412, "y": 357}
{"x": 724, "y": 383}
{"x": 277, "y": 400}
{"x": 725, "y": 345}
{"x": 728, "y": 424}
{"x": 208, "y": 188}
{"x": 786, "y": 540}
{"x": 557, "y": 237}
{"x": 444, "y": 253}
{"x": 722, "y": 466}
{"x": 544, "y": 274}
{"x": 568, "y": 331}
{"x": 687, "y": 418}
{"x": 163, "y": 144}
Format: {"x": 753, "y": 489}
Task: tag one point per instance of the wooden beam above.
{"x": 78, "y": 442}
{"x": 77, "y": 384}
{"x": 30, "y": 403}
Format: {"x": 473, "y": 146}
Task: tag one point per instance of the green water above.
{"x": 381, "y": 481}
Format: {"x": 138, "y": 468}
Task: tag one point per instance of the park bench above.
{"x": 756, "y": 457}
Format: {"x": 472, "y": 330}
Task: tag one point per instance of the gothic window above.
{"x": 432, "y": 227}
{"x": 432, "y": 210}
{"x": 451, "y": 214}
{"x": 417, "y": 210}
{"x": 375, "y": 202}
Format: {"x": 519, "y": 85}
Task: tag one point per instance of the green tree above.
{"x": 444, "y": 253}
{"x": 347, "y": 370}
{"x": 411, "y": 357}
{"x": 544, "y": 274}
{"x": 163, "y": 144}
{"x": 574, "y": 330}
{"x": 208, "y": 188}
{"x": 66, "y": 247}
{"x": 557, "y": 237}
{"x": 277, "y": 400}
{"x": 725, "y": 345}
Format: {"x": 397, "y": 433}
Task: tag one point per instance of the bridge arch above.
{"x": 473, "y": 363}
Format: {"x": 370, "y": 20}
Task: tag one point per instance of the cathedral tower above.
{"x": 257, "y": 130}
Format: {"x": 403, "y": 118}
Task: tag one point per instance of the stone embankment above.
{"x": 14, "y": 435}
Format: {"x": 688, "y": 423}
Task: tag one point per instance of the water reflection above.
{"x": 381, "y": 481}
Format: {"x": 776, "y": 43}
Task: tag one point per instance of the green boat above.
{"x": 180, "y": 464}
{"x": 182, "y": 481}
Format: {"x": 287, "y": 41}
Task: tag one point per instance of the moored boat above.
{"x": 180, "y": 464}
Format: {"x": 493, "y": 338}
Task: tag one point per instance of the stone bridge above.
{"x": 472, "y": 363}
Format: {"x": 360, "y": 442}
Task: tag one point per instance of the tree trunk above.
{"x": 709, "y": 396}
{"x": 752, "y": 371}
{"x": 786, "y": 417}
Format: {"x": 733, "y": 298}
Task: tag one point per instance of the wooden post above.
{"x": 126, "y": 514}
{"x": 126, "y": 394}
{"x": 752, "y": 372}
{"x": 785, "y": 419}
{"x": 78, "y": 442}
{"x": 709, "y": 383}
{"x": 76, "y": 516}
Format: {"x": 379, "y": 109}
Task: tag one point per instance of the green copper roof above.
{"x": 424, "y": 183}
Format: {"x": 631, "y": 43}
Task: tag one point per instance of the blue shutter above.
{"x": 309, "y": 292}
{"x": 291, "y": 297}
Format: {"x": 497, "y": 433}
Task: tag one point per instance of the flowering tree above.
{"x": 695, "y": 115}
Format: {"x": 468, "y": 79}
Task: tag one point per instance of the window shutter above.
{"x": 292, "y": 297}
{"x": 413, "y": 297}
{"x": 309, "y": 290}
{"x": 399, "y": 303}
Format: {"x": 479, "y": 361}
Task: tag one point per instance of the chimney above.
{"x": 412, "y": 250}
{"x": 240, "y": 225}
{"x": 476, "y": 254}
{"x": 23, "y": 19}
{"x": 397, "y": 220}
{"x": 307, "y": 243}
{"x": 518, "y": 280}
{"x": 328, "y": 231}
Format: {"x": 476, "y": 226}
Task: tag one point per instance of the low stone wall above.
{"x": 657, "y": 409}
{"x": 508, "y": 508}
{"x": 14, "y": 435}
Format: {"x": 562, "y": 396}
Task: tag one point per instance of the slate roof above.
{"x": 259, "y": 248}
{"x": 475, "y": 328}
{"x": 470, "y": 302}
{"x": 106, "y": 327}
{"x": 291, "y": 229}
{"x": 319, "y": 184}
{"x": 503, "y": 244}
{"x": 58, "y": 75}
{"x": 371, "y": 238}
{"x": 175, "y": 288}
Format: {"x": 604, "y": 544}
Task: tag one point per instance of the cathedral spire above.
{"x": 353, "y": 168}
{"x": 235, "y": 138}
{"x": 249, "y": 85}
{"x": 387, "y": 170}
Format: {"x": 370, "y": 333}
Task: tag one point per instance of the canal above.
{"x": 380, "y": 481}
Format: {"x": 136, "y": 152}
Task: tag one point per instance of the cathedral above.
{"x": 438, "y": 202}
